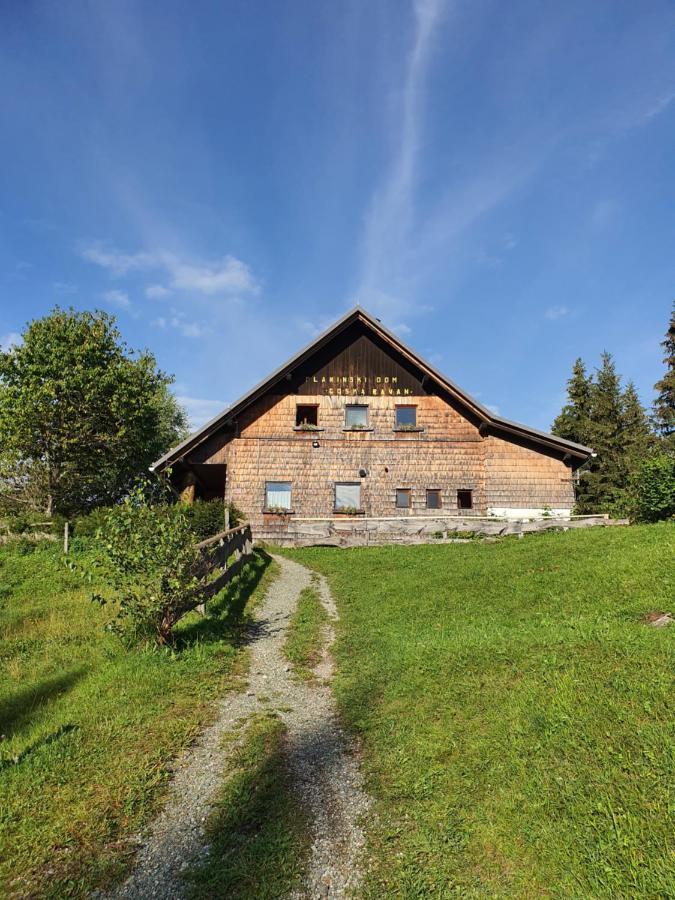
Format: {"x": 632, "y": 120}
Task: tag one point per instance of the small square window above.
{"x": 434, "y": 498}
{"x": 406, "y": 416}
{"x": 403, "y": 496}
{"x": 464, "y": 499}
{"x": 277, "y": 495}
{"x": 348, "y": 495}
{"x": 356, "y": 416}
{"x": 306, "y": 414}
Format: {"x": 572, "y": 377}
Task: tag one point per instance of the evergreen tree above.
{"x": 604, "y": 481}
{"x": 637, "y": 432}
{"x": 664, "y": 407}
{"x": 574, "y": 421}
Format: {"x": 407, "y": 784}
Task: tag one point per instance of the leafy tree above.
{"x": 81, "y": 416}
{"x": 664, "y": 406}
{"x": 149, "y": 558}
{"x": 654, "y": 487}
{"x": 574, "y": 421}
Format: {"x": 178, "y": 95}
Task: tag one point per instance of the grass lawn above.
{"x": 305, "y": 637}
{"x": 88, "y": 728}
{"x": 516, "y": 714}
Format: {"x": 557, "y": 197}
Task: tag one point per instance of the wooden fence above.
{"x": 216, "y": 555}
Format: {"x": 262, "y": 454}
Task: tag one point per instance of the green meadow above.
{"x": 515, "y": 711}
{"x": 89, "y": 728}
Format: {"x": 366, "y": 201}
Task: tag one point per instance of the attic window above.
{"x": 306, "y": 414}
{"x": 464, "y": 499}
{"x": 406, "y": 416}
{"x": 356, "y": 416}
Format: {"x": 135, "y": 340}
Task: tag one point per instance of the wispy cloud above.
{"x": 9, "y": 340}
{"x": 156, "y": 292}
{"x": 556, "y": 312}
{"x": 228, "y": 275}
{"x": 390, "y": 217}
{"x": 186, "y": 327}
{"x": 660, "y": 105}
{"x": 64, "y": 288}
{"x": 200, "y": 410}
{"x": 117, "y": 298}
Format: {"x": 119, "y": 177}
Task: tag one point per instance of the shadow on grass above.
{"x": 226, "y": 617}
{"x": 37, "y": 745}
{"x": 19, "y": 709}
{"x": 257, "y": 831}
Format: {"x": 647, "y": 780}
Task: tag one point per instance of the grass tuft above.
{"x": 306, "y": 634}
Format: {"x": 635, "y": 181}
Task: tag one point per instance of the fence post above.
{"x": 66, "y": 537}
{"x": 227, "y": 518}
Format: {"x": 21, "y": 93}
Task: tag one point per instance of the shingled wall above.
{"x": 449, "y": 454}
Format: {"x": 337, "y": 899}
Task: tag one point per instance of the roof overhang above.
{"x": 493, "y": 422}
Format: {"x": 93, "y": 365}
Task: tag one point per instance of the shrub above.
{"x": 150, "y": 560}
{"x": 89, "y": 525}
{"x": 654, "y": 488}
{"x": 207, "y": 517}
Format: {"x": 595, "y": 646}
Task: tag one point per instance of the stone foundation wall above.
{"x": 361, "y": 531}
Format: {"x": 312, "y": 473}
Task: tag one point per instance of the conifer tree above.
{"x": 664, "y": 406}
{"x": 574, "y": 421}
{"x": 637, "y": 433}
{"x": 604, "y": 481}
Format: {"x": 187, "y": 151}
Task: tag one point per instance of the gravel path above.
{"x": 321, "y": 761}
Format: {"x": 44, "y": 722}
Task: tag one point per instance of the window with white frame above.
{"x": 347, "y": 495}
{"x": 277, "y": 495}
{"x": 356, "y": 416}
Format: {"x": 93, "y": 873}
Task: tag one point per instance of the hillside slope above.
{"x": 516, "y": 711}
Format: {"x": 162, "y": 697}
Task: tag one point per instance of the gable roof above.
{"x": 358, "y": 314}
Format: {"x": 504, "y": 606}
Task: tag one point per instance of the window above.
{"x": 464, "y": 499}
{"x": 434, "y": 498}
{"x": 306, "y": 415}
{"x": 277, "y": 495}
{"x": 348, "y": 495}
{"x": 356, "y": 416}
{"x": 406, "y": 416}
{"x": 403, "y": 498}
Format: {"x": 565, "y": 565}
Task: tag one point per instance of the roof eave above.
{"x": 358, "y": 312}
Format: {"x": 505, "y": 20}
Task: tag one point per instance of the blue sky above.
{"x": 494, "y": 180}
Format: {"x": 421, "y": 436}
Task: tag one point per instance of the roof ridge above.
{"x": 373, "y": 322}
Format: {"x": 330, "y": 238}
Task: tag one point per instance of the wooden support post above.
{"x": 227, "y": 518}
{"x": 66, "y": 537}
{"x": 187, "y": 494}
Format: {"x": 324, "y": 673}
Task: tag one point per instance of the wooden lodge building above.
{"x": 357, "y": 426}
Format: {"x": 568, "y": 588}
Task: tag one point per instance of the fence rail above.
{"x": 217, "y": 552}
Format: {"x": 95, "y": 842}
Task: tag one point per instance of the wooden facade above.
{"x": 358, "y": 415}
